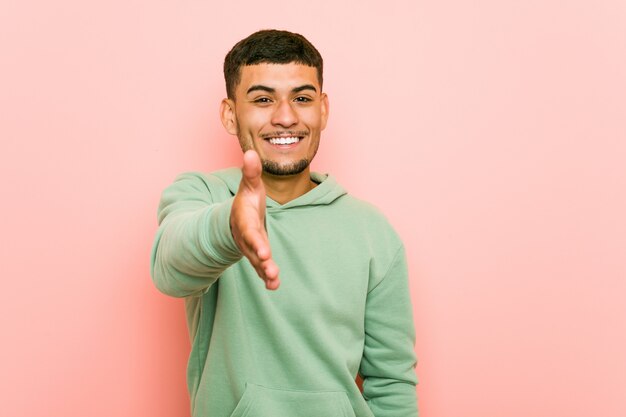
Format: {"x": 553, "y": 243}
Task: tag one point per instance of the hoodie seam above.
{"x": 393, "y": 261}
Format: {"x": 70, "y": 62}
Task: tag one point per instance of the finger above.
{"x": 268, "y": 272}
{"x": 257, "y": 244}
{"x": 270, "y": 269}
{"x": 251, "y": 247}
{"x": 272, "y": 285}
{"x": 251, "y": 169}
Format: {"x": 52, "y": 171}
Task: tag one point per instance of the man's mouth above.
{"x": 289, "y": 140}
{"x": 284, "y": 138}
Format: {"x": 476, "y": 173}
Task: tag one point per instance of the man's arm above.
{"x": 201, "y": 234}
{"x": 388, "y": 364}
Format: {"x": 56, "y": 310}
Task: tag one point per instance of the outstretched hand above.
{"x": 247, "y": 221}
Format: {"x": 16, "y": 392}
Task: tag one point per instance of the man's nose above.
{"x": 284, "y": 115}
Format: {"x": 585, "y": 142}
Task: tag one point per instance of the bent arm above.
{"x": 193, "y": 245}
{"x": 388, "y": 363}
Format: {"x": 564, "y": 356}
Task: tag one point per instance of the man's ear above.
{"x": 228, "y": 116}
{"x": 325, "y": 110}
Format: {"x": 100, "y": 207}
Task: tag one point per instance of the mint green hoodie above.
{"x": 342, "y": 307}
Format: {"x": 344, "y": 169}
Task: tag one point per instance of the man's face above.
{"x": 280, "y": 112}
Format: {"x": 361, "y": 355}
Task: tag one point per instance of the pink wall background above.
{"x": 491, "y": 133}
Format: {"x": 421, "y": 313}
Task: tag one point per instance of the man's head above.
{"x": 275, "y": 103}
{"x": 270, "y": 47}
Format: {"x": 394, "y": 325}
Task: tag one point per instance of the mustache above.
{"x": 298, "y": 133}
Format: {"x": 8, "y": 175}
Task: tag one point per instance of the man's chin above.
{"x": 285, "y": 170}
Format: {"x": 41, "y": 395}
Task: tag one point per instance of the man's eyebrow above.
{"x": 260, "y": 88}
{"x": 304, "y": 87}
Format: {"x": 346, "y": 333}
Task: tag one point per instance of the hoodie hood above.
{"x": 327, "y": 191}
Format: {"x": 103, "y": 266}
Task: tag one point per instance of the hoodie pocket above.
{"x": 258, "y": 401}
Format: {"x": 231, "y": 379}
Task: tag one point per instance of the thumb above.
{"x": 251, "y": 169}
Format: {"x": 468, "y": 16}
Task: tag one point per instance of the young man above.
{"x": 291, "y": 343}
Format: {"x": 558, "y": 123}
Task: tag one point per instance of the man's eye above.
{"x": 303, "y": 99}
{"x": 262, "y": 100}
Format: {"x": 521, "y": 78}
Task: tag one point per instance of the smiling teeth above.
{"x": 284, "y": 141}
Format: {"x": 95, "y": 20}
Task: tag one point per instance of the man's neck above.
{"x": 283, "y": 189}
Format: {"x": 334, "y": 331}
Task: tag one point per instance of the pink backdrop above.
{"x": 491, "y": 133}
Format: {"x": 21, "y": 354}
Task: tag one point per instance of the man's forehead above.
{"x": 289, "y": 75}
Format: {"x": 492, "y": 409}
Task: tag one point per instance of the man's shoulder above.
{"x": 224, "y": 180}
{"x": 199, "y": 186}
{"x": 363, "y": 208}
{"x": 369, "y": 217}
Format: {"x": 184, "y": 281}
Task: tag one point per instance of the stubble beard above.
{"x": 294, "y": 168}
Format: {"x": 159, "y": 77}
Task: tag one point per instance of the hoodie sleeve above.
{"x": 193, "y": 244}
{"x": 388, "y": 363}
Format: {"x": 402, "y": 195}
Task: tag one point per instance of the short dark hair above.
{"x": 272, "y": 47}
